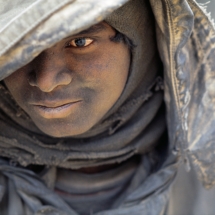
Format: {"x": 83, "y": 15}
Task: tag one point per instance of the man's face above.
{"x": 69, "y": 87}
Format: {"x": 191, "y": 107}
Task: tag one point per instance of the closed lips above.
{"x": 55, "y": 110}
{"x": 55, "y": 107}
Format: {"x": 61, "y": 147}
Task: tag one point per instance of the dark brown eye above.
{"x": 80, "y": 42}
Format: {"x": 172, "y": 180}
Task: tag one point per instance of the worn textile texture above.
{"x": 106, "y": 142}
{"x": 138, "y": 112}
{"x": 34, "y": 20}
{"x": 187, "y": 46}
{"x": 185, "y": 38}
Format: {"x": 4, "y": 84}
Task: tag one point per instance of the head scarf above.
{"x": 133, "y": 126}
{"x": 137, "y": 112}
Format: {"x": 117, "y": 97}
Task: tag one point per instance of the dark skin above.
{"x": 69, "y": 87}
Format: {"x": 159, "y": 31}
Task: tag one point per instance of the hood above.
{"x": 185, "y": 38}
{"x": 29, "y": 28}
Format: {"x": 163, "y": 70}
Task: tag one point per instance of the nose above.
{"x": 49, "y": 72}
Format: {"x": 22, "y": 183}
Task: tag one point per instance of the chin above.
{"x": 58, "y": 132}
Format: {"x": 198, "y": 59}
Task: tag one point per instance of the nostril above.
{"x": 49, "y": 80}
{"x": 64, "y": 78}
{"x": 32, "y": 79}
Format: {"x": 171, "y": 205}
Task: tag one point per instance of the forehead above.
{"x": 102, "y": 29}
{"x": 102, "y": 26}
{"x": 94, "y": 29}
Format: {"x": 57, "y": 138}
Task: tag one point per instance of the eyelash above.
{"x": 72, "y": 44}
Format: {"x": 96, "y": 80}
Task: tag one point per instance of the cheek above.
{"x": 103, "y": 68}
{"x": 106, "y": 74}
{"x": 112, "y": 71}
{"x": 16, "y": 85}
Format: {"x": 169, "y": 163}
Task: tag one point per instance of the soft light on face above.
{"x": 69, "y": 87}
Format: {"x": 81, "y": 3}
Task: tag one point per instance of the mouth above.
{"x": 50, "y": 111}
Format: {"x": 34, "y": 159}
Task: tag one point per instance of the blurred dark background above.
{"x": 210, "y": 6}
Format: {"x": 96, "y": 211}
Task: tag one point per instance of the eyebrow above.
{"x": 93, "y": 29}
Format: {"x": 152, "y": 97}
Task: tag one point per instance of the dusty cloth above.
{"x": 181, "y": 29}
{"x": 106, "y": 142}
{"x": 138, "y": 112}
